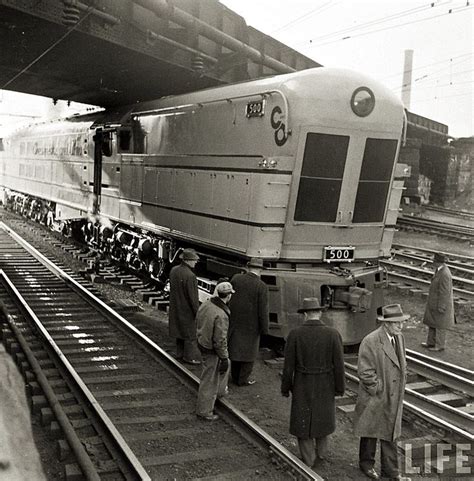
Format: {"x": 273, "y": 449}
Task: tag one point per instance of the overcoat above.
{"x": 382, "y": 373}
{"x": 248, "y": 316}
{"x": 314, "y": 373}
{"x": 439, "y": 312}
{"x": 17, "y": 449}
{"x": 184, "y": 302}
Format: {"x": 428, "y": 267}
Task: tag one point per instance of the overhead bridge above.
{"x": 116, "y": 52}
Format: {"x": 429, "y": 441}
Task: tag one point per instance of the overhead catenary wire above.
{"x": 57, "y": 42}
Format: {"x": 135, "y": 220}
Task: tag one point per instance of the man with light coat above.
{"x": 378, "y": 412}
{"x": 212, "y": 326}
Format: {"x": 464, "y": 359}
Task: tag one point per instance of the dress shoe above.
{"x": 194, "y": 362}
{"x": 250, "y": 382}
{"x": 208, "y": 417}
{"x": 425, "y": 344}
{"x": 436, "y": 349}
{"x": 370, "y": 473}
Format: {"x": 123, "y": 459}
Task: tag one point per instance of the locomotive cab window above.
{"x": 323, "y": 167}
{"x": 374, "y": 182}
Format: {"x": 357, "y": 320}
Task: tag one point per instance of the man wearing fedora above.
{"x": 314, "y": 373}
{"x": 439, "y": 312}
{"x": 212, "y": 327}
{"x": 248, "y": 320}
{"x": 378, "y": 412}
{"x": 183, "y": 307}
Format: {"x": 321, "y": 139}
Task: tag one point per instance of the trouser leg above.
{"x": 179, "y": 348}
{"x": 245, "y": 372}
{"x": 322, "y": 447}
{"x": 223, "y": 381}
{"x": 235, "y": 371}
{"x": 367, "y": 449}
{"x": 388, "y": 459}
{"x": 191, "y": 350}
{"x": 440, "y": 338}
{"x": 209, "y": 385}
{"x": 431, "y": 340}
{"x": 307, "y": 450}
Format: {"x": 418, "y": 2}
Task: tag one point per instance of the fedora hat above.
{"x": 311, "y": 304}
{"x": 392, "y": 313}
{"x": 255, "y": 262}
{"x": 439, "y": 257}
{"x": 189, "y": 255}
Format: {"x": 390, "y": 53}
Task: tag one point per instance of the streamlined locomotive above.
{"x": 296, "y": 169}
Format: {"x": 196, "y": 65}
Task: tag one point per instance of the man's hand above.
{"x": 223, "y": 365}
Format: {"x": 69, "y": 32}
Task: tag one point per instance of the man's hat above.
{"x": 255, "y": 262}
{"x": 189, "y": 255}
{"x": 224, "y": 288}
{"x": 392, "y": 313}
{"x": 438, "y": 257}
{"x": 312, "y": 304}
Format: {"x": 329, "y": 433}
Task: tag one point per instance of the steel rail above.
{"x": 425, "y": 283}
{"x": 224, "y": 406}
{"x": 449, "y": 255}
{"x": 436, "y": 373}
{"x": 133, "y": 464}
{"x": 454, "y": 368}
{"x": 454, "y": 266}
{"x": 442, "y": 415}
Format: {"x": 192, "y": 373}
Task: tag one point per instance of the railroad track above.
{"x": 411, "y": 267}
{"x": 126, "y": 405}
{"x": 456, "y": 213}
{"x": 437, "y": 391}
{"x": 444, "y": 229}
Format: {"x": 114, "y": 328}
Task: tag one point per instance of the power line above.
{"x": 450, "y": 12}
{"x": 468, "y": 54}
{"x": 39, "y": 57}
{"x": 305, "y": 16}
{"x": 380, "y": 20}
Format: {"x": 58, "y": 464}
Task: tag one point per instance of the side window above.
{"x": 107, "y": 144}
{"x": 125, "y": 140}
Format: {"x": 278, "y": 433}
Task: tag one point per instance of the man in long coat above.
{"x": 314, "y": 373}
{"x": 378, "y": 412}
{"x": 183, "y": 307}
{"x": 439, "y": 313}
{"x": 248, "y": 320}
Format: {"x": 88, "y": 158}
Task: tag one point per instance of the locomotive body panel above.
{"x": 296, "y": 169}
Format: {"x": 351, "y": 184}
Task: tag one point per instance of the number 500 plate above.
{"x": 338, "y": 254}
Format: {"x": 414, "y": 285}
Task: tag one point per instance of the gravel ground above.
{"x": 263, "y": 403}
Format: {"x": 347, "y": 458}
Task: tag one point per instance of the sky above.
{"x": 370, "y": 36}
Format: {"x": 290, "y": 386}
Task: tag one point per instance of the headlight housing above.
{"x": 362, "y": 101}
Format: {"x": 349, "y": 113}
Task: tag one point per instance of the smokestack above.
{"x": 406, "y": 84}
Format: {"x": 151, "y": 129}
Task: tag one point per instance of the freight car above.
{"x": 296, "y": 169}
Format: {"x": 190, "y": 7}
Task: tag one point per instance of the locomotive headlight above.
{"x": 362, "y": 101}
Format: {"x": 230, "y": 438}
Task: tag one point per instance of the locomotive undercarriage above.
{"x": 352, "y": 298}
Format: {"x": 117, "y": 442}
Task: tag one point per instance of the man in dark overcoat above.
{"x": 439, "y": 312}
{"x": 183, "y": 307}
{"x": 378, "y": 413}
{"x": 314, "y": 373}
{"x": 248, "y": 321}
